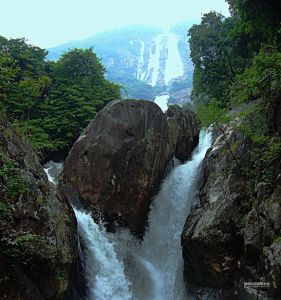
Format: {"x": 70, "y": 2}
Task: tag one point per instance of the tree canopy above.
{"x": 237, "y": 75}
{"x": 223, "y": 48}
{"x": 51, "y": 102}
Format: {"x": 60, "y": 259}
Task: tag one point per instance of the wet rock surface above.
{"x": 188, "y": 131}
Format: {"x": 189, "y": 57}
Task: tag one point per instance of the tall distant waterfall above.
{"x": 164, "y": 47}
{"x": 174, "y": 64}
{"x": 119, "y": 267}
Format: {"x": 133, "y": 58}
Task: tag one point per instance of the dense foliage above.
{"x": 51, "y": 102}
{"x": 237, "y": 73}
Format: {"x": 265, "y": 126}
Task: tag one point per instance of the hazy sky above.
{"x": 51, "y": 22}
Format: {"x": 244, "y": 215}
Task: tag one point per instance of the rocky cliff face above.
{"x": 187, "y": 131}
{"x": 116, "y": 166}
{"x": 232, "y": 234}
{"x": 38, "y": 240}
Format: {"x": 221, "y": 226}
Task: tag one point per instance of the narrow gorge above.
{"x": 119, "y": 266}
{"x": 144, "y": 162}
{"x": 127, "y": 187}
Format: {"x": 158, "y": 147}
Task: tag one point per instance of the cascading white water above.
{"x": 119, "y": 267}
{"x": 53, "y": 169}
{"x": 154, "y": 60}
{"x": 140, "y": 73}
{"x": 174, "y": 64}
{"x": 155, "y": 266}
{"x": 104, "y": 272}
{"x": 174, "y": 67}
{"x": 161, "y": 101}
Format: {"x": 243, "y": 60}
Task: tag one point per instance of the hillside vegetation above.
{"x": 50, "y": 103}
{"x": 238, "y": 76}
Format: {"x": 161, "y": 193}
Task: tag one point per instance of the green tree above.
{"x": 260, "y": 16}
{"x": 79, "y": 90}
{"x": 214, "y": 53}
{"x": 51, "y": 102}
{"x": 237, "y": 78}
{"x": 29, "y": 59}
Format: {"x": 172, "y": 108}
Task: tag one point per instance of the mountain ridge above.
{"x": 139, "y": 58}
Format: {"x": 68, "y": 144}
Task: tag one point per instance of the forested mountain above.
{"x": 51, "y": 102}
{"x": 142, "y": 59}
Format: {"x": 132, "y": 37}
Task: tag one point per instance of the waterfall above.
{"x": 154, "y": 60}
{"x": 140, "y": 73}
{"x": 162, "y": 242}
{"x": 155, "y": 267}
{"x": 53, "y": 170}
{"x": 174, "y": 67}
{"x": 104, "y": 272}
{"x": 120, "y": 267}
{"x": 161, "y": 101}
{"x": 174, "y": 64}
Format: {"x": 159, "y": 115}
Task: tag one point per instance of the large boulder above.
{"x": 188, "y": 131}
{"x": 232, "y": 233}
{"x": 38, "y": 235}
{"x": 116, "y": 165}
